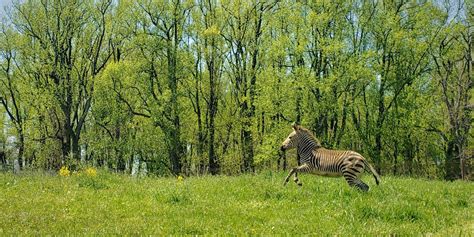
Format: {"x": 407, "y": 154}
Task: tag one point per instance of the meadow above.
{"x": 105, "y": 203}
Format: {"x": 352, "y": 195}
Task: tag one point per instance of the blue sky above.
{"x": 4, "y": 3}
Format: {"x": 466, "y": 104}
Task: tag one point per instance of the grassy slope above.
{"x": 38, "y": 204}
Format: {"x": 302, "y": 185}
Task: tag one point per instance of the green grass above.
{"x": 249, "y": 204}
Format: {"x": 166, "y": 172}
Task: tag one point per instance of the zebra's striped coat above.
{"x": 317, "y": 160}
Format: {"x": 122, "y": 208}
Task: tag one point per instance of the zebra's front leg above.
{"x": 296, "y": 180}
{"x": 301, "y": 168}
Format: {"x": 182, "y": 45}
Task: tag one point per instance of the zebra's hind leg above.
{"x": 301, "y": 168}
{"x": 362, "y": 186}
{"x": 354, "y": 181}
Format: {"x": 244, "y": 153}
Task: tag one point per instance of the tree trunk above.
{"x": 213, "y": 162}
{"x": 175, "y": 151}
{"x": 395, "y": 159}
{"x": 197, "y": 109}
{"x": 21, "y": 147}
{"x": 409, "y": 154}
{"x": 76, "y": 151}
{"x": 66, "y": 141}
{"x": 200, "y": 144}
{"x": 282, "y": 160}
{"x": 177, "y": 148}
{"x": 121, "y": 164}
{"x": 379, "y": 125}
{"x": 247, "y": 141}
{"x": 453, "y": 161}
{"x": 343, "y": 123}
{"x": 378, "y": 152}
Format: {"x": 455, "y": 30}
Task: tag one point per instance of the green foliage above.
{"x": 249, "y": 204}
{"x": 94, "y": 183}
{"x": 190, "y": 86}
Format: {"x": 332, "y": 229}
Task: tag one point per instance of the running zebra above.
{"x": 317, "y": 160}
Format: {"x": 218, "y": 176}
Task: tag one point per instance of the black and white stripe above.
{"x": 316, "y": 159}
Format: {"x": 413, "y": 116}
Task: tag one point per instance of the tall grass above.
{"x": 248, "y": 204}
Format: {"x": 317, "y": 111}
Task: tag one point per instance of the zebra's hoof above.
{"x": 364, "y": 188}
{"x": 300, "y": 184}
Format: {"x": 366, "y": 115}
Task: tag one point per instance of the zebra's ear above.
{"x": 295, "y": 126}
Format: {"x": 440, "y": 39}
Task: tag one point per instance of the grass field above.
{"x": 249, "y": 204}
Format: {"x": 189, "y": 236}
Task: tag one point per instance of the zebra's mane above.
{"x": 309, "y": 134}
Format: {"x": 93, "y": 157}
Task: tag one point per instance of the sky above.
{"x": 4, "y": 3}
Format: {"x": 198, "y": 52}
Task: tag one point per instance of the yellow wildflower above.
{"x": 180, "y": 178}
{"x": 64, "y": 171}
{"x": 92, "y": 172}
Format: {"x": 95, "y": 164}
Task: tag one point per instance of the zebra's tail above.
{"x": 374, "y": 173}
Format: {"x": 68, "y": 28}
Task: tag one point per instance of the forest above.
{"x": 193, "y": 87}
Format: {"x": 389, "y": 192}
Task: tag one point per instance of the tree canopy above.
{"x": 211, "y": 86}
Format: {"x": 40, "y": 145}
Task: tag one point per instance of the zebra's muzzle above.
{"x": 282, "y": 148}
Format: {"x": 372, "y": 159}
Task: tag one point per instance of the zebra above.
{"x": 320, "y": 161}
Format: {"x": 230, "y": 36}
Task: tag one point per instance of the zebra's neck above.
{"x": 307, "y": 146}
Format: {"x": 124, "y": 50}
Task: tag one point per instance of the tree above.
{"x": 10, "y": 86}
{"x": 157, "y": 42}
{"x": 67, "y": 41}
{"x": 213, "y": 59}
{"x": 212, "y": 86}
{"x": 452, "y": 56}
{"x": 243, "y": 36}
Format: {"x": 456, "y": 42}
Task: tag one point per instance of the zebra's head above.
{"x": 300, "y": 136}
{"x": 292, "y": 140}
